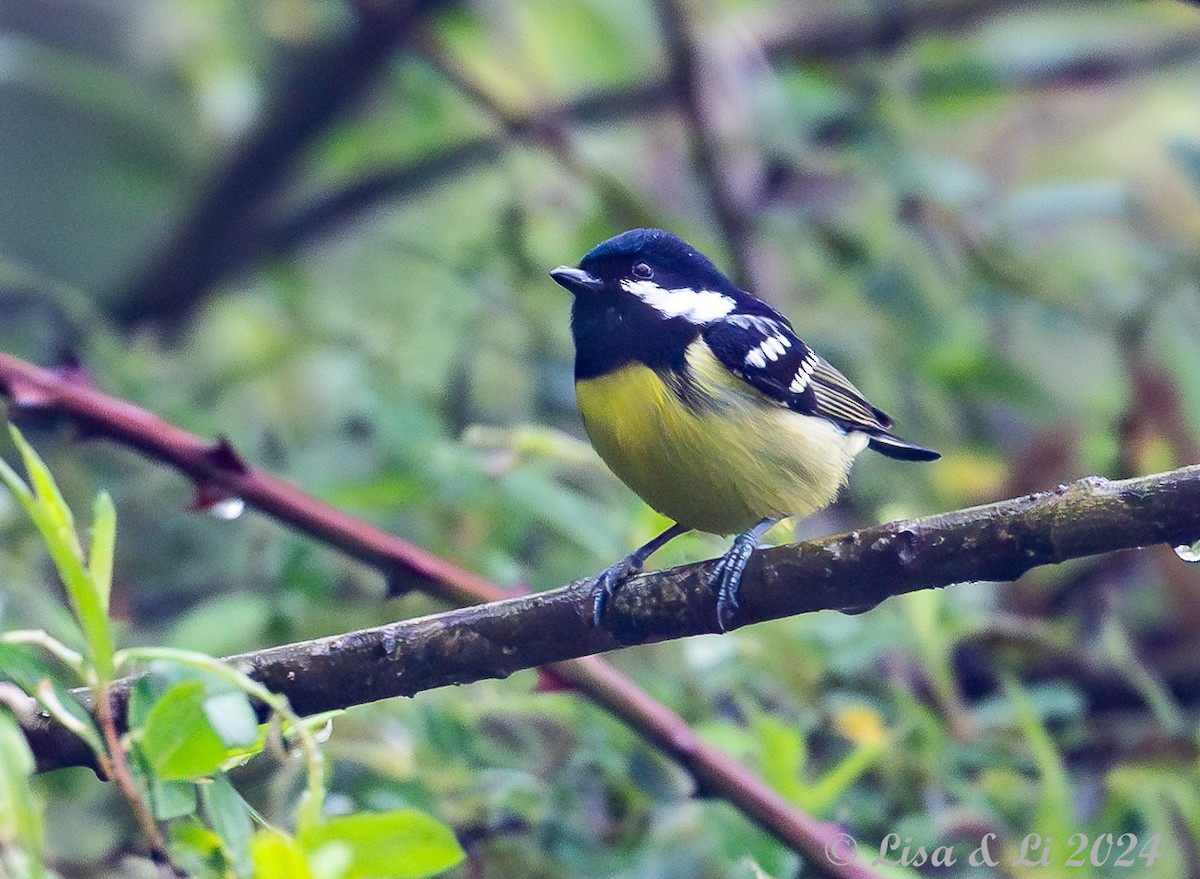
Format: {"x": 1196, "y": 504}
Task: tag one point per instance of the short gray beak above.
{"x": 576, "y": 280}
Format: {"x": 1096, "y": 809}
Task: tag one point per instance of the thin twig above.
{"x": 72, "y": 659}
{"x": 115, "y": 765}
{"x": 323, "y": 83}
{"x": 682, "y": 56}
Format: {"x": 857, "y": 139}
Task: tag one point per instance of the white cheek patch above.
{"x": 698, "y": 306}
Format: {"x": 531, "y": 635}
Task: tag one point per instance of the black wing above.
{"x": 765, "y": 352}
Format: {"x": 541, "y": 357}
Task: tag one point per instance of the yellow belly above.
{"x": 720, "y": 465}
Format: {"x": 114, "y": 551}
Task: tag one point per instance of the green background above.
{"x": 986, "y": 214}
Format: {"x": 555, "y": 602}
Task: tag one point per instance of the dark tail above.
{"x": 901, "y": 450}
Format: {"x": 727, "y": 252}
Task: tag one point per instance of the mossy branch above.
{"x": 998, "y": 541}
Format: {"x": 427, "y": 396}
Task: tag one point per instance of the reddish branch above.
{"x": 215, "y": 467}
{"x": 995, "y": 542}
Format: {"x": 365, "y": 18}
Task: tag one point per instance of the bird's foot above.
{"x": 612, "y": 578}
{"x": 727, "y": 577}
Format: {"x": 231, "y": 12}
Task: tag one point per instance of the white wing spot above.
{"x": 756, "y": 358}
{"x": 803, "y": 374}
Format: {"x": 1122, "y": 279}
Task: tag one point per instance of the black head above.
{"x": 644, "y": 255}
{"x": 642, "y": 296}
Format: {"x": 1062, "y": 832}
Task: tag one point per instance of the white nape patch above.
{"x": 698, "y": 306}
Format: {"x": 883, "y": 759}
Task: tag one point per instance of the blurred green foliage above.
{"x": 189, "y": 722}
{"x": 984, "y": 213}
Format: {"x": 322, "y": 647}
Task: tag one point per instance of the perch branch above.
{"x": 998, "y": 541}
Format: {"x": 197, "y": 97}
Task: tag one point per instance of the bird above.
{"x": 702, "y": 399}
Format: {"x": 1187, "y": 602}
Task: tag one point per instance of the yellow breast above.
{"x": 720, "y": 462}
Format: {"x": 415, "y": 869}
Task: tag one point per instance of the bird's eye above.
{"x": 643, "y": 271}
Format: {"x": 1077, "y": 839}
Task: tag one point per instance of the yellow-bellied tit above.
{"x": 703, "y": 400}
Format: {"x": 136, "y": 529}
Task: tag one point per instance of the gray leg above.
{"x": 727, "y": 575}
{"x": 614, "y": 576}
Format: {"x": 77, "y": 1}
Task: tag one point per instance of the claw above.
{"x": 612, "y": 578}
{"x": 727, "y": 575}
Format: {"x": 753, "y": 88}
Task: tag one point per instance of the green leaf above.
{"x": 404, "y": 844}
{"x": 143, "y": 695}
{"x": 1054, "y": 803}
{"x": 171, "y": 799}
{"x": 22, "y": 841}
{"x": 194, "y": 847}
{"x": 782, "y": 756}
{"x": 16, "y": 485}
{"x": 104, "y": 538}
{"x": 56, "y": 523}
{"x": 232, "y": 718}
{"x": 223, "y": 624}
{"x": 276, "y": 856}
{"x": 177, "y": 739}
{"x": 229, "y": 817}
{"x": 46, "y": 491}
{"x": 830, "y": 788}
{"x": 19, "y": 664}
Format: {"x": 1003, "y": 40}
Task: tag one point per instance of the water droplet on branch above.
{"x": 1189, "y": 552}
{"x": 228, "y": 508}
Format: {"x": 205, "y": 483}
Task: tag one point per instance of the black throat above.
{"x": 614, "y": 332}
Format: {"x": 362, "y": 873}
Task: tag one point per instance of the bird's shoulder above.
{"x": 758, "y": 345}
